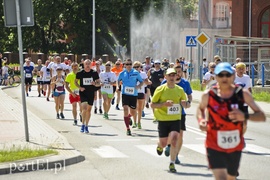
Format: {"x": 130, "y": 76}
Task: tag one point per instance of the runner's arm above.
{"x": 201, "y": 116}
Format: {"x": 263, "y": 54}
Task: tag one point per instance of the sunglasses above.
{"x": 107, "y": 65}
{"x": 128, "y": 64}
{"x": 136, "y": 67}
{"x": 224, "y": 75}
{"x": 212, "y": 66}
{"x": 157, "y": 63}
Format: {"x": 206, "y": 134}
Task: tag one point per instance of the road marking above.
{"x": 252, "y": 148}
{"x": 150, "y": 149}
{"x": 196, "y": 131}
{"x": 200, "y": 148}
{"x": 108, "y": 152}
{"x": 121, "y": 140}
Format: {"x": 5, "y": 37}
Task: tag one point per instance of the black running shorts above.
{"x": 165, "y": 127}
{"x": 130, "y": 101}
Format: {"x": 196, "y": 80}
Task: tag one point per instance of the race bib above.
{"x": 228, "y": 139}
{"x": 129, "y": 90}
{"x": 107, "y": 88}
{"x": 175, "y": 109}
{"x": 87, "y": 81}
{"x": 59, "y": 89}
{"x": 48, "y": 77}
{"x": 28, "y": 75}
{"x": 76, "y": 91}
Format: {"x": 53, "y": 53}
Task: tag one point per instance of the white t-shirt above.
{"x": 106, "y": 78}
{"x": 245, "y": 81}
{"x": 54, "y": 65}
{"x": 146, "y": 67}
{"x": 4, "y": 70}
{"x": 46, "y": 74}
{"x": 207, "y": 77}
{"x": 31, "y": 64}
{"x": 144, "y": 76}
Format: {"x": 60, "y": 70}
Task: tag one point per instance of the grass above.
{"x": 258, "y": 96}
{"x": 15, "y": 154}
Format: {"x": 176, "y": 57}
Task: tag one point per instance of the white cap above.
{"x": 157, "y": 61}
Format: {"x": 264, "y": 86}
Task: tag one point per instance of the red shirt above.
{"x": 222, "y": 134}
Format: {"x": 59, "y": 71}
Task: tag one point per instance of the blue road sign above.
{"x": 191, "y": 41}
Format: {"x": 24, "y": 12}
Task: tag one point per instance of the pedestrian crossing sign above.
{"x": 191, "y": 41}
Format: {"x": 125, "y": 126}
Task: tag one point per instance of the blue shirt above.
{"x": 129, "y": 81}
{"x": 185, "y": 85}
{"x": 28, "y": 71}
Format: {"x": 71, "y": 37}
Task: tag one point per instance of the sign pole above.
{"x": 190, "y": 68}
{"x": 19, "y": 28}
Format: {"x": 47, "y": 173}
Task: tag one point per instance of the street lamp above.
{"x": 94, "y": 31}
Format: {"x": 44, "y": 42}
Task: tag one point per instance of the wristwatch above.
{"x": 246, "y": 116}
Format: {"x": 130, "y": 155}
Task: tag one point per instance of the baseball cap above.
{"x": 147, "y": 57}
{"x": 170, "y": 71}
{"x": 59, "y": 68}
{"x": 157, "y": 61}
{"x": 224, "y": 66}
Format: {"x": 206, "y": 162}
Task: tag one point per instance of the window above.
{"x": 265, "y": 24}
{"x": 222, "y": 11}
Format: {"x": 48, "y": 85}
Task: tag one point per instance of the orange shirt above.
{"x": 117, "y": 71}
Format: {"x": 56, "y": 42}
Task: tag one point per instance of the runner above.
{"x": 129, "y": 78}
{"x": 183, "y": 83}
{"x": 89, "y": 79}
{"x": 166, "y": 102}
{"x": 224, "y": 126}
{"x": 98, "y": 94}
{"x": 58, "y": 86}
{"x": 146, "y": 67}
{"x": 31, "y": 64}
{"x": 209, "y": 78}
{"x": 46, "y": 78}
{"x": 74, "y": 97}
{"x": 39, "y": 79}
{"x": 28, "y": 73}
{"x": 55, "y": 64}
{"x": 108, "y": 79}
{"x": 117, "y": 69}
{"x": 141, "y": 94}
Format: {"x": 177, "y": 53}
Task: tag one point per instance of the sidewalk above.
{"x": 41, "y": 135}
{"x": 263, "y": 105}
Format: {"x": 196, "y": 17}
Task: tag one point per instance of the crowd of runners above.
{"x": 222, "y": 112}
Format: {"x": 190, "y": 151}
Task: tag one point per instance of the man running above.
{"x": 183, "y": 83}
{"x": 88, "y": 79}
{"x": 167, "y": 103}
{"x": 39, "y": 78}
{"x": 108, "y": 79}
{"x": 129, "y": 78}
{"x": 74, "y": 97}
{"x": 117, "y": 69}
{"x": 224, "y": 122}
{"x": 45, "y": 73}
{"x": 28, "y": 74}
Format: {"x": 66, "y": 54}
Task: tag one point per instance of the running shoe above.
{"x": 113, "y": 101}
{"x": 86, "y": 129}
{"x": 29, "y": 89}
{"x": 167, "y": 150}
{"x": 177, "y": 161}
{"x": 62, "y": 115}
{"x": 117, "y": 108}
{"x": 27, "y": 94}
{"x": 100, "y": 111}
{"x": 48, "y": 99}
{"x": 42, "y": 91}
{"x": 82, "y": 128}
{"x": 57, "y": 116}
{"x": 139, "y": 126}
{"x": 159, "y": 150}
{"x": 134, "y": 125}
{"x": 147, "y": 105}
{"x": 143, "y": 114}
{"x": 107, "y": 116}
{"x": 80, "y": 117}
{"x": 75, "y": 123}
{"x": 95, "y": 111}
{"x": 172, "y": 168}
{"x": 128, "y": 132}
{"x": 39, "y": 95}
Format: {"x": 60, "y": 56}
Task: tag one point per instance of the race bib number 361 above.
{"x": 175, "y": 109}
{"x": 228, "y": 139}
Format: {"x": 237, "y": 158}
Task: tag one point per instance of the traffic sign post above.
{"x": 19, "y": 13}
{"x": 191, "y": 42}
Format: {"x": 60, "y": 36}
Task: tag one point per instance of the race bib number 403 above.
{"x": 175, "y": 109}
{"x": 228, "y": 139}
{"x": 87, "y": 81}
{"x": 129, "y": 90}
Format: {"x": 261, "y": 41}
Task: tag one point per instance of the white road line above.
{"x": 196, "y": 131}
{"x": 108, "y": 152}
{"x": 200, "y": 148}
{"x": 252, "y": 148}
{"x": 121, "y": 140}
{"x": 150, "y": 149}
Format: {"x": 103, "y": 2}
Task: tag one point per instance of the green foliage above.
{"x": 71, "y": 21}
{"x": 261, "y": 96}
{"x": 196, "y": 85}
{"x": 15, "y": 154}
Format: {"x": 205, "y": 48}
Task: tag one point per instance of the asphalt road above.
{"x": 110, "y": 154}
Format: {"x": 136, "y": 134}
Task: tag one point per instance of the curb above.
{"x": 53, "y": 163}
